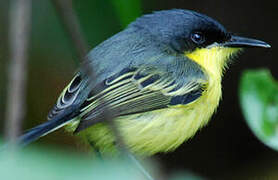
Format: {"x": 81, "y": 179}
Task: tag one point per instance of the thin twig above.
{"x": 70, "y": 21}
{"x": 19, "y": 35}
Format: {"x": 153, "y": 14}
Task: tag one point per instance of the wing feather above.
{"x": 136, "y": 92}
{"x": 135, "y": 89}
{"x": 67, "y": 97}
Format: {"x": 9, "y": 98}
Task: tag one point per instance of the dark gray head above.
{"x": 184, "y": 30}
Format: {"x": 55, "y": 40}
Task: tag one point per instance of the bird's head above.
{"x": 197, "y": 36}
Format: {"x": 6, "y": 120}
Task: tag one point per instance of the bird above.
{"x": 160, "y": 78}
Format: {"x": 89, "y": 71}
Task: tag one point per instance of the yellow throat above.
{"x": 214, "y": 60}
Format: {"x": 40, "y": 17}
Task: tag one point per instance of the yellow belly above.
{"x": 160, "y": 130}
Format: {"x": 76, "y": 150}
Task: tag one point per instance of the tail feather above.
{"x": 57, "y": 122}
{"x": 39, "y": 131}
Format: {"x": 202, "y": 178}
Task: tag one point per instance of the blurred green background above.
{"x": 225, "y": 149}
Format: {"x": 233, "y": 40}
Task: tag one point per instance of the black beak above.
{"x": 241, "y": 42}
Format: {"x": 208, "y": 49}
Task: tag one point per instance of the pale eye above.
{"x": 198, "y": 37}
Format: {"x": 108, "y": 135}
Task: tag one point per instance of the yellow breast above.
{"x": 158, "y": 131}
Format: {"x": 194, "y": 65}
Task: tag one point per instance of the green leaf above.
{"x": 127, "y": 10}
{"x": 58, "y": 165}
{"x": 259, "y": 103}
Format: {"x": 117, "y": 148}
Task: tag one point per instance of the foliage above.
{"x": 259, "y": 102}
{"x": 54, "y": 164}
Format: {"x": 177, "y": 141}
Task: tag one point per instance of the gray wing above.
{"x": 142, "y": 89}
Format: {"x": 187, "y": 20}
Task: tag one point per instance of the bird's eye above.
{"x": 198, "y": 37}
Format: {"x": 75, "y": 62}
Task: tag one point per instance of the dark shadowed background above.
{"x": 226, "y": 148}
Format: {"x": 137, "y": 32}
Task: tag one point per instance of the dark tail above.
{"x": 35, "y": 133}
